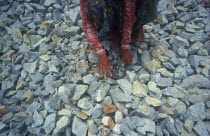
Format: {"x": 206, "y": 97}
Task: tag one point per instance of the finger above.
{"x": 100, "y": 70}
{"x": 109, "y": 70}
{"x": 104, "y": 72}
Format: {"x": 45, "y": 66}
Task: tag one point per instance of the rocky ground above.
{"x": 49, "y": 85}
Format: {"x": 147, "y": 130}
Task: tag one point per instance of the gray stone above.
{"x": 92, "y": 57}
{"x": 137, "y": 121}
{"x": 197, "y": 111}
{"x": 130, "y": 123}
{"x": 123, "y": 97}
{"x": 33, "y": 107}
{"x": 61, "y": 124}
{"x": 145, "y": 57}
{"x": 84, "y": 103}
{"x": 2, "y": 126}
{"x": 79, "y": 91}
{"x": 182, "y": 52}
{"x": 180, "y": 73}
{"x": 6, "y": 85}
{"x": 200, "y": 37}
{"x": 172, "y": 101}
{"x": 173, "y": 92}
{"x": 178, "y": 41}
{"x": 188, "y": 17}
{"x": 125, "y": 129}
{"x": 30, "y": 67}
{"x": 49, "y": 123}
{"x": 159, "y": 131}
{"x": 170, "y": 126}
{"x": 125, "y": 85}
{"x": 96, "y": 112}
{"x": 54, "y": 103}
{"x": 194, "y": 60}
{"x": 49, "y": 2}
{"x": 189, "y": 125}
{"x": 131, "y": 75}
{"x": 38, "y": 119}
{"x": 200, "y": 129}
{"x": 149, "y": 125}
{"x": 164, "y": 82}
{"x": 79, "y": 128}
{"x": 195, "y": 81}
{"x": 139, "y": 89}
{"x": 168, "y": 65}
{"x": 135, "y": 103}
{"x": 101, "y": 92}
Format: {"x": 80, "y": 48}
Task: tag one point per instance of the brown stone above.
{"x": 3, "y": 110}
{"x": 109, "y": 108}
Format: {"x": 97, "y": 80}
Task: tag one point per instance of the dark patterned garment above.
{"x": 109, "y": 13}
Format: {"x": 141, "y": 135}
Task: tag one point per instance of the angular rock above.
{"x": 84, "y": 103}
{"x": 125, "y": 85}
{"x": 173, "y": 92}
{"x": 61, "y": 124}
{"x": 200, "y": 129}
{"x": 178, "y": 41}
{"x": 79, "y": 128}
{"x": 49, "y": 123}
{"x": 109, "y": 108}
{"x": 30, "y": 67}
{"x": 151, "y": 101}
{"x": 152, "y": 66}
{"x": 195, "y": 81}
{"x": 107, "y": 121}
{"x": 101, "y": 92}
{"x": 79, "y": 91}
{"x": 38, "y": 119}
{"x": 139, "y": 89}
{"x": 195, "y": 60}
{"x": 123, "y": 97}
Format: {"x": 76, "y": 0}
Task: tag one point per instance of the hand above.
{"x": 126, "y": 56}
{"x": 104, "y": 66}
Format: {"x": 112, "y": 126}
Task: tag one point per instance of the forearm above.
{"x": 89, "y": 29}
{"x": 128, "y": 20}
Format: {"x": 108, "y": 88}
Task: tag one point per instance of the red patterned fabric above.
{"x": 129, "y": 19}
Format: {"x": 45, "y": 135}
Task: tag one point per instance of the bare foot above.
{"x": 139, "y": 36}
